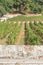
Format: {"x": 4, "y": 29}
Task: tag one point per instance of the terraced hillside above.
{"x": 17, "y": 33}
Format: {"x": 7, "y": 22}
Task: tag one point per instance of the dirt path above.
{"x": 3, "y": 41}
{"x": 20, "y": 37}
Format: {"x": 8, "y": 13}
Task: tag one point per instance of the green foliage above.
{"x": 6, "y": 6}
{"x": 38, "y": 29}
{"x": 2, "y": 10}
{"x": 23, "y": 6}
{"x": 32, "y": 38}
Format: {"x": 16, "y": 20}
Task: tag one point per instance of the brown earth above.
{"x": 20, "y": 36}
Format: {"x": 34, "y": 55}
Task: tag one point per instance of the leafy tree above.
{"x": 23, "y": 6}
{"x": 6, "y": 6}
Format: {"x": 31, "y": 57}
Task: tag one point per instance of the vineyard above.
{"x": 17, "y": 33}
{"x": 34, "y": 33}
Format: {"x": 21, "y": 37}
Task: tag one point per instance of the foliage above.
{"x": 6, "y": 6}
{"x": 32, "y": 38}
{"x": 23, "y": 6}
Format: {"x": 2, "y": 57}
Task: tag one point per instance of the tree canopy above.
{"x": 23, "y": 6}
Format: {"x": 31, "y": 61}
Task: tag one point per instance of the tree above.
{"x": 23, "y": 6}
{"x": 20, "y": 5}
{"x": 6, "y": 6}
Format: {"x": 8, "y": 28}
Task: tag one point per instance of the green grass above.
{"x": 25, "y": 18}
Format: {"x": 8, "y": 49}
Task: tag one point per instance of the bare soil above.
{"x": 20, "y": 36}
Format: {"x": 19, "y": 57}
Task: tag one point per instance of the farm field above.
{"x": 34, "y": 33}
{"x": 21, "y": 33}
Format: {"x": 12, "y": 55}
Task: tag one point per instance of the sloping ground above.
{"x": 20, "y": 37}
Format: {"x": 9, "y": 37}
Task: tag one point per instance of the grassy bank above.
{"x": 25, "y": 18}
